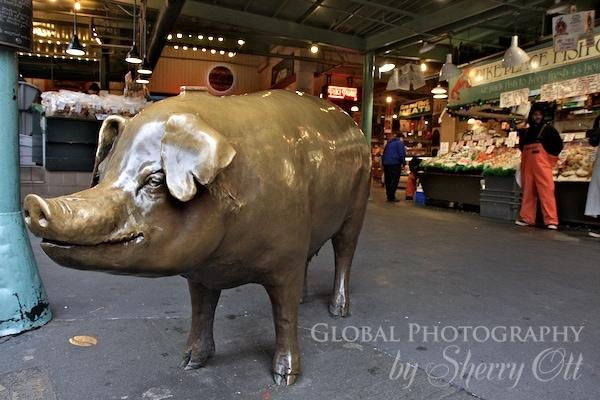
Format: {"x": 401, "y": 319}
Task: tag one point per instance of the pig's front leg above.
{"x": 200, "y": 343}
{"x": 284, "y": 300}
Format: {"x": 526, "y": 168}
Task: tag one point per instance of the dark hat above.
{"x": 537, "y": 107}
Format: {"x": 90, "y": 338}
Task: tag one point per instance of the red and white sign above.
{"x": 342, "y": 93}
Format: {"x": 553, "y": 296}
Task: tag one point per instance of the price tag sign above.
{"x": 569, "y": 137}
{"x": 444, "y": 147}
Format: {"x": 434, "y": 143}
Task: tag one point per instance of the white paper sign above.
{"x": 444, "y": 147}
{"x": 567, "y": 29}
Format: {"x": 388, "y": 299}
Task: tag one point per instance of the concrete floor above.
{"x": 445, "y": 305}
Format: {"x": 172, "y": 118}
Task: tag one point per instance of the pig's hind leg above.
{"x": 200, "y": 343}
{"x": 344, "y": 245}
{"x": 284, "y": 292}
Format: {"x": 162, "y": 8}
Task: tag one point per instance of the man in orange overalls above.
{"x": 540, "y": 145}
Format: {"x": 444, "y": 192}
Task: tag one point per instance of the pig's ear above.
{"x": 110, "y": 129}
{"x": 192, "y": 150}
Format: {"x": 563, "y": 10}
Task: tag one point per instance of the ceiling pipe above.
{"x": 164, "y": 24}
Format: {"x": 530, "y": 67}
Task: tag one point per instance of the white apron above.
{"x": 592, "y": 204}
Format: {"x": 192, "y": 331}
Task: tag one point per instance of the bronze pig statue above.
{"x": 223, "y": 191}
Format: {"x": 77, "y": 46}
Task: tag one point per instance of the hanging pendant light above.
{"x": 439, "y": 90}
{"x": 387, "y": 67}
{"x": 143, "y": 79}
{"x": 449, "y": 70}
{"x": 75, "y": 48}
{"x": 559, "y": 7}
{"x": 144, "y": 68}
{"x": 133, "y": 56}
{"x": 514, "y": 55}
{"x": 426, "y": 47}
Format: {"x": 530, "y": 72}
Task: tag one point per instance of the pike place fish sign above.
{"x": 16, "y": 24}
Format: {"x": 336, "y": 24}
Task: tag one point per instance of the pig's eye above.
{"x": 155, "y": 180}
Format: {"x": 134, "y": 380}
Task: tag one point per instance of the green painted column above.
{"x": 367, "y": 95}
{"x": 367, "y": 99}
{"x": 23, "y": 303}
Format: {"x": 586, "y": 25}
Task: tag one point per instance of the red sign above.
{"x": 342, "y": 93}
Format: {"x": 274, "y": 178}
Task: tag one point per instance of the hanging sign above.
{"x": 342, "y": 93}
{"x": 570, "y": 88}
{"x": 402, "y": 78}
{"x": 487, "y": 81}
{"x": 415, "y": 108}
{"x": 568, "y": 29}
{"x": 16, "y": 23}
{"x": 514, "y": 98}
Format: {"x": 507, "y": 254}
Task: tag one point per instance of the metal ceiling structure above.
{"x": 345, "y": 30}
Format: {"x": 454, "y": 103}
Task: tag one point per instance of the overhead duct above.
{"x": 164, "y": 24}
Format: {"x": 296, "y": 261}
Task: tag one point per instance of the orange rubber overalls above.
{"x": 537, "y": 181}
{"x": 411, "y": 186}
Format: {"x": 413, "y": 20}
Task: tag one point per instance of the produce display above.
{"x": 491, "y": 160}
{"x": 70, "y": 104}
{"x": 576, "y": 161}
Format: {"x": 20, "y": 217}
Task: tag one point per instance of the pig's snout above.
{"x": 37, "y": 214}
{"x": 71, "y": 219}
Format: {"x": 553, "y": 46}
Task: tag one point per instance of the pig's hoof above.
{"x": 302, "y": 298}
{"x": 339, "y": 309}
{"x": 285, "y": 380}
{"x": 189, "y": 361}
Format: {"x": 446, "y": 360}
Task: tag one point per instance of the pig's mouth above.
{"x": 132, "y": 239}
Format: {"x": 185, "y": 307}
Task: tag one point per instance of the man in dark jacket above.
{"x": 540, "y": 145}
{"x": 393, "y": 160}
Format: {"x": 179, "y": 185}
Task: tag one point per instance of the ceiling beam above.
{"x": 272, "y": 26}
{"x": 439, "y": 18}
{"x": 164, "y": 24}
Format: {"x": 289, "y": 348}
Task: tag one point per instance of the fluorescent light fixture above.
{"x": 514, "y": 55}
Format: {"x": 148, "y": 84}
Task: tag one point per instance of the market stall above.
{"x": 459, "y": 176}
{"x": 485, "y": 177}
{"x": 69, "y": 123}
